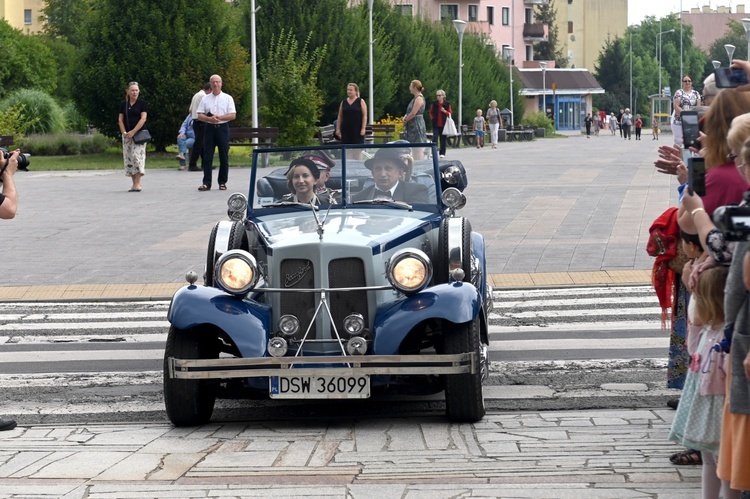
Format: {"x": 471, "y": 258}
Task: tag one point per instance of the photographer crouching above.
{"x": 8, "y": 205}
{"x": 9, "y": 165}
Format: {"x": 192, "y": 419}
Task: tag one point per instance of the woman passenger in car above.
{"x": 301, "y": 178}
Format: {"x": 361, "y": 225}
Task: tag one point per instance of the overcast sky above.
{"x": 638, "y": 9}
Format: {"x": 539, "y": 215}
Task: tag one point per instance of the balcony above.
{"x": 536, "y": 2}
{"x": 535, "y": 32}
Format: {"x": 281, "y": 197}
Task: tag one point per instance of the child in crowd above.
{"x": 638, "y": 125}
{"x": 697, "y": 422}
{"x": 479, "y": 128}
{"x": 654, "y": 128}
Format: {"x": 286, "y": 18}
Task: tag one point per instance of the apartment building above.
{"x": 22, "y": 14}
{"x": 710, "y": 24}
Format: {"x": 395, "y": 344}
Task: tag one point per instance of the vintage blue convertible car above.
{"x": 349, "y": 293}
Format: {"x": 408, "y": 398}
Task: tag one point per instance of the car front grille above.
{"x": 342, "y": 273}
{"x": 347, "y": 273}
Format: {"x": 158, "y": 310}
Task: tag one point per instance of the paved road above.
{"x": 550, "y": 206}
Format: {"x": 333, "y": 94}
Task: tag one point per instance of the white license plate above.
{"x": 320, "y": 387}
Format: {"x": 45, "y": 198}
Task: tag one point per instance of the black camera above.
{"x": 23, "y": 160}
{"x": 733, "y": 221}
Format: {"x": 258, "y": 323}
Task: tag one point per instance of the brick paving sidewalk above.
{"x": 578, "y": 454}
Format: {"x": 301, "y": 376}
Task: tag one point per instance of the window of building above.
{"x": 27, "y": 16}
{"x": 528, "y": 16}
{"x": 491, "y": 15}
{"x": 404, "y": 9}
{"x": 506, "y": 16}
{"x": 448, "y": 12}
{"x": 570, "y": 27}
{"x": 529, "y": 52}
{"x": 473, "y": 13}
{"x": 505, "y": 53}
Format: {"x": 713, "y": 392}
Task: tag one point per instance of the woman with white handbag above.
{"x": 440, "y": 113}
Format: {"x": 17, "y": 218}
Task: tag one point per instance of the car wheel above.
{"x": 455, "y": 235}
{"x": 464, "y": 399}
{"x": 236, "y": 238}
{"x": 189, "y": 402}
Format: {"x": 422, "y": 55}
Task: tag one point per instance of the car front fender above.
{"x": 456, "y": 302}
{"x": 246, "y": 322}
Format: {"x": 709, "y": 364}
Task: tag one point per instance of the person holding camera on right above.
{"x": 8, "y": 206}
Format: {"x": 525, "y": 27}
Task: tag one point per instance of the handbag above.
{"x": 141, "y": 136}
{"x": 713, "y": 374}
{"x": 449, "y": 128}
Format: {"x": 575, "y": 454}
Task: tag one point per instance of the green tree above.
{"x": 170, "y": 49}
{"x": 66, "y": 18}
{"x": 26, "y": 62}
{"x": 549, "y": 50}
{"x": 288, "y": 84}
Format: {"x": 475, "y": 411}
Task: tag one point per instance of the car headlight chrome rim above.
{"x": 409, "y": 270}
{"x": 288, "y": 325}
{"x": 237, "y": 206}
{"x": 453, "y": 198}
{"x": 354, "y": 324}
{"x": 236, "y": 272}
{"x": 452, "y": 175}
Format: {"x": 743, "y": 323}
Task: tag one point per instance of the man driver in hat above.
{"x": 387, "y": 167}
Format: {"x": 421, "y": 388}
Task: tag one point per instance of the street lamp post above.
{"x": 716, "y": 64}
{"x": 254, "y": 64}
{"x": 508, "y": 54}
{"x": 659, "y": 35}
{"x": 460, "y": 28}
{"x": 544, "y": 87}
{"x": 730, "y": 51}
{"x": 746, "y": 25}
{"x": 371, "y": 106}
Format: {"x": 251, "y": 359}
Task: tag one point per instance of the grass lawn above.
{"x": 112, "y": 160}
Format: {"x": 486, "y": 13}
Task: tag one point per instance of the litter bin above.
{"x": 501, "y": 135}
{"x": 506, "y": 115}
{"x": 540, "y": 132}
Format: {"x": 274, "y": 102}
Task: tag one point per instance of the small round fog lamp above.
{"x": 356, "y": 346}
{"x": 288, "y": 325}
{"x": 277, "y": 347}
{"x": 354, "y": 324}
{"x": 453, "y": 198}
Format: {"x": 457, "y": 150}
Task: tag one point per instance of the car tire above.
{"x": 464, "y": 397}
{"x": 442, "y": 275}
{"x": 237, "y": 240}
{"x": 189, "y": 402}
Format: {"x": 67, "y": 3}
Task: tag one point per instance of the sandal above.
{"x": 204, "y": 187}
{"x": 222, "y": 187}
{"x": 686, "y": 458}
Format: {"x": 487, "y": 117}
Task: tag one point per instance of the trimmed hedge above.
{"x": 64, "y": 144}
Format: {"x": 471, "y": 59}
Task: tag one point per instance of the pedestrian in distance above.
{"x": 185, "y": 140}
{"x": 132, "y": 118}
{"x": 626, "y": 123}
{"x": 654, "y": 128}
{"x": 199, "y": 129}
{"x": 480, "y": 125}
{"x": 638, "y": 126}
{"x": 613, "y": 123}
{"x": 588, "y": 121}
{"x": 597, "y": 124}
{"x": 440, "y": 111}
{"x": 619, "y": 120}
{"x": 416, "y": 132}
{"x": 351, "y": 124}
{"x": 8, "y": 209}
{"x": 216, "y": 110}
{"x": 495, "y": 121}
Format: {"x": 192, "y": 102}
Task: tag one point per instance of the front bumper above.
{"x": 330, "y": 365}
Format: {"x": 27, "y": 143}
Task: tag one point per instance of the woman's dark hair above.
{"x": 690, "y": 238}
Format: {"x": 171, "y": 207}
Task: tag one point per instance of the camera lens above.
{"x": 23, "y": 162}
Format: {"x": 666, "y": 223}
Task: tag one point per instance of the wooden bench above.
{"x": 6, "y": 140}
{"x": 246, "y": 136}
{"x": 326, "y": 135}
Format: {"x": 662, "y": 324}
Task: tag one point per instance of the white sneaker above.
{"x": 442, "y": 155}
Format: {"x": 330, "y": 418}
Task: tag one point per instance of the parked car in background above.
{"x": 337, "y": 298}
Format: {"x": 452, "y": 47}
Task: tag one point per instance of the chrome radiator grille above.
{"x": 342, "y": 273}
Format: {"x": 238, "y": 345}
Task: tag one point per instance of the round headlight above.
{"x": 356, "y": 346}
{"x": 236, "y": 272}
{"x": 277, "y": 347}
{"x": 409, "y": 270}
{"x": 237, "y": 204}
{"x": 453, "y": 198}
{"x": 288, "y": 325}
{"x": 354, "y": 324}
{"x": 452, "y": 175}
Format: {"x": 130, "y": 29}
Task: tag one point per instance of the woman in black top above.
{"x": 133, "y": 114}
{"x": 352, "y": 120}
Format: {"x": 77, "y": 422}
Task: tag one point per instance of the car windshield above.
{"x": 393, "y": 175}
